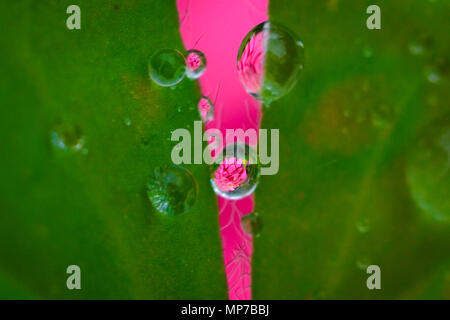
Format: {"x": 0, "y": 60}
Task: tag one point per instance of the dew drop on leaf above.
{"x": 172, "y": 190}
{"x": 252, "y": 224}
{"x": 68, "y": 137}
{"x": 127, "y": 121}
{"x": 195, "y": 64}
{"x": 269, "y": 61}
{"x": 167, "y": 67}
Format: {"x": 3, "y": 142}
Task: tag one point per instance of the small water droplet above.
{"x": 432, "y": 76}
{"x": 127, "y": 121}
{"x": 195, "y": 64}
{"x": 145, "y": 142}
{"x": 167, "y": 67}
{"x": 252, "y": 224}
{"x": 67, "y": 137}
{"x": 415, "y": 48}
{"x": 172, "y": 190}
{"x": 363, "y": 226}
{"x": 367, "y": 52}
{"x": 206, "y": 109}
{"x": 235, "y": 174}
{"x": 270, "y": 61}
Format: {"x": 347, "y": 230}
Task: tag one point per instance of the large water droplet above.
{"x": 172, "y": 190}
{"x": 269, "y": 61}
{"x": 252, "y": 224}
{"x": 167, "y": 67}
{"x": 428, "y": 170}
{"x": 195, "y": 64}
{"x": 206, "y": 109}
{"x": 235, "y": 173}
{"x": 68, "y": 137}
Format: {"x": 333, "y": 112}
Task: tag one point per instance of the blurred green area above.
{"x": 361, "y": 169}
{"x": 60, "y": 208}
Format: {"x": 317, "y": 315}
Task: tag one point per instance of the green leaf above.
{"x": 90, "y": 208}
{"x": 340, "y": 200}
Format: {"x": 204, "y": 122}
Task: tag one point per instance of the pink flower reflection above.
{"x": 250, "y": 66}
{"x": 230, "y": 174}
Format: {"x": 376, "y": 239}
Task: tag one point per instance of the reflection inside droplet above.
{"x": 269, "y": 61}
{"x": 195, "y": 64}
{"x": 167, "y": 67}
{"x": 235, "y": 173}
{"x": 172, "y": 190}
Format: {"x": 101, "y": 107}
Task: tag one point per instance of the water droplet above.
{"x": 206, "y": 109}
{"x": 432, "y": 76}
{"x": 428, "y": 170}
{"x": 127, "y": 121}
{"x": 195, "y": 64}
{"x": 172, "y": 190}
{"x": 68, "y": 137}
{"x": 367, "y": 52}
{"x": 235, "y": 173}
{"x": 363, "y": 226}
{"x": 269, "y": 61}
{"x": 252, "y": 224}
{"x": 145, "y": 142}
{"x": 415, "y": 48}
{"x": 363, "y": 263}
{"x": 167, "y": 67}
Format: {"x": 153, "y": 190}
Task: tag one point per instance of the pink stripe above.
{"x": 217, "y": 28}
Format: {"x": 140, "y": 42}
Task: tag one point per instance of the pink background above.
{"x": 217, "y": 28}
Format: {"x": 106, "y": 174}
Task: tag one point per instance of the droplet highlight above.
{"x": 195, "y": 64}
{"x": 270, "y": 61}
{"x": 235, "y": 173}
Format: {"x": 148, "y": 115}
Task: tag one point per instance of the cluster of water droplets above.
{"x": 167, "y": 67}
{"x": 270, "y": 61}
